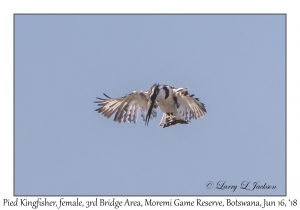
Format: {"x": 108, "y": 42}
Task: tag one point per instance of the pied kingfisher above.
{"x": 177, "y": 105}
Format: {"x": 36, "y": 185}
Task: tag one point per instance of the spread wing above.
{"x": 188, "y": 106}
{"x": 125, "y": 108}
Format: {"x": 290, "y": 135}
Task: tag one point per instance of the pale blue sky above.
{"x": 235, "y": 65}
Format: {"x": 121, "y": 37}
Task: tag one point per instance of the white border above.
{"x": 8, "y": 8}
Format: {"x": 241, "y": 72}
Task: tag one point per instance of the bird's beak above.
{"x": 152, "y": 102}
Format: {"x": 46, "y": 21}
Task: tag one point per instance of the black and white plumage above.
{"x": 177, "y": 105}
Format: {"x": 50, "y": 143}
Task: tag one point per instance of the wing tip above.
{"x": 106, "y": 95}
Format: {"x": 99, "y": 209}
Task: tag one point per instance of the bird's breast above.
{"x": 167, "y": 105}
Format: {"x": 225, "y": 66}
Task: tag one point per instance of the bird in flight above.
{"x": 177, "y": 105}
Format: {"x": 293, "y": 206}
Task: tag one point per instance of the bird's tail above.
{"x": 170, "y": 119}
